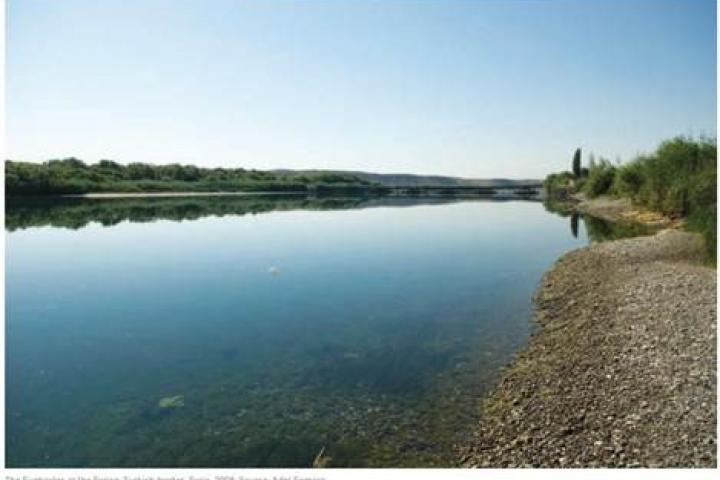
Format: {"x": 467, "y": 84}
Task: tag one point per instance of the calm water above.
{"x": 254, "y": 332}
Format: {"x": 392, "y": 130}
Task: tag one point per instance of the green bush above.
{"x": 704, "y": 221}
{"x": 600, "y": 179}
{"x": 560, "y": 185}
{"x": 628, "y": 179}
{"x": 678, "y": 178}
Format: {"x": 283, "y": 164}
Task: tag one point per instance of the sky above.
{"x": 496, "y": 88}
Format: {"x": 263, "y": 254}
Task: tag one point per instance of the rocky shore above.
{"x": 622, "y": 210}
{"x": 621, "y": 371}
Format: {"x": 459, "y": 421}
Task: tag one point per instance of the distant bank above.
{"x": 72, "y": 176}
{"x": 521, "y": 193}
{"x": 411, "y": 180}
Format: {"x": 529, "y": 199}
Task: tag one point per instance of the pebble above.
{"x": 645, "y": 320}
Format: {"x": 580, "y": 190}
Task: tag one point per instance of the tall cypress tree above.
{"x": 576, "y": 167}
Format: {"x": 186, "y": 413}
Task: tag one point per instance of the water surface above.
{"x": 254, "y": 332}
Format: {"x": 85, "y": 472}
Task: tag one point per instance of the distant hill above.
{"x": 409, "y": 180}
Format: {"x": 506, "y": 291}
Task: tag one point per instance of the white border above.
{"x": 278, "y": 473}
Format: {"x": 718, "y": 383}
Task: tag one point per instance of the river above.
{"x": 254, "y": 332}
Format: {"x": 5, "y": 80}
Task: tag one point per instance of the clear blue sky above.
{"x": 472, "y": 88}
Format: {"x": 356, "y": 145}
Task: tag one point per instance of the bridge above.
{"x": 526, "y": 190}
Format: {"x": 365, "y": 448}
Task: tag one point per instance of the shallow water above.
{"x": 280, "y": 326}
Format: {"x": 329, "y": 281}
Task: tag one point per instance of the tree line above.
{"x": 73, "y": 176}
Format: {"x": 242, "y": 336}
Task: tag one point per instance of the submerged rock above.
{"x": 176, "y": 401}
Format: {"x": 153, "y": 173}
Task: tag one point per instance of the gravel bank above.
{"x": 622, "y": 369}
{"x": 622, "y": 210}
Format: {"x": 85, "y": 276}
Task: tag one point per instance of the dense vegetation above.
{"x": 679, "y": 179}
{"x": 71, "y": 175}
{"x": 559, "y": 186}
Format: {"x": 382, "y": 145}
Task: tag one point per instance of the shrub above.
{"x": 629, "y": 179}
{"x": 600, "y": 179}
{"x": 678, "y": 178}
{"x": 560, "y": 185}
{"x": 704, "y": 221}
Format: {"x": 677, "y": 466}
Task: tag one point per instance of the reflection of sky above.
{"x": 137, "y": 310}
{"x": 331, "y": 263}
{"x": 471, "y": 233}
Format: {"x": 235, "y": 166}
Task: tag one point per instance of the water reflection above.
{"x": 171, "y": 344}
{"x": 574, "y": 219}
{"x": 597, "y": 229}
{"x": 76, "y": 213}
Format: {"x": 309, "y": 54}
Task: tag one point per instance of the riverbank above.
{"x": 615, "y": 209}
{"x": 410, "y": 192}
{"x": 622, "y": 369}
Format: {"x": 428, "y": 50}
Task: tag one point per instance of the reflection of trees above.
{"x": 574, "y": 218}
{"x": 558, "y": 207}
{"x": 599, "y": 230}
{"x": 76, "y": 213}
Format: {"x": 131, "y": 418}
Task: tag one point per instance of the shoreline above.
{"x": 623, "y": 211}
{"x": 397, "y": 192}
{"x": 621, "y": 370}
{"x": 174, "y": 194}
